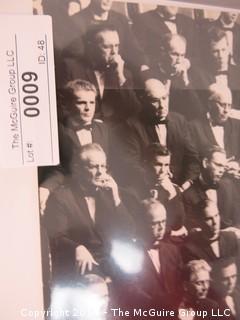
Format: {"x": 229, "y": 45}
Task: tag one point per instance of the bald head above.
{"x": 156, "y": 98}
{"x": 155, "y": 217}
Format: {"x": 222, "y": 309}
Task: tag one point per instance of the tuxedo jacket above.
{"x": 117, "y": 102}
{"x": 51, "y": 177}
{"x": 149, "y": 28}
{"x": 196, "y": 247}
{"x": 69, "y": 225}
{"x": 202, "y": 77}
{"x": 236, "y": 298}
{"x": 134, "y": 136}
{"x": 148, "y": 288}
{"x": 84, "y": 20}
{"x": 236, "y": 34}
{"x": 227, "y": 201}
{"x": 203, "y": 137}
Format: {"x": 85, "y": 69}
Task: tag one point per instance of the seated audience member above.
{"x": 160, "y": 276}
{"x": 159, "y": 185}
{"x": 227, "y": 22}
{"x": 79, "y": 128}
{"x": 225, "y": 290}
{"x": 217, "y": 128}
{"x": 211, "y": 185}
{"x": 196, "y": 282}
{"x": 103, "y": 65}
{"x": 97, "y": 13}
{"x": 208, "y": 241}
{"x": 151, "y": 26}
{"x": 155, "y": 124}
{"x": 84, "y": 216}
{"x": 216, "y": 67}
{"x": 173, "y": 69}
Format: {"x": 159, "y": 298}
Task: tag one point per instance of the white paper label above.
{"x": 28, "y": 116}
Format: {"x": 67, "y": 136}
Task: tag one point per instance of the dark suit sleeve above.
{"x": 191, "y": 158}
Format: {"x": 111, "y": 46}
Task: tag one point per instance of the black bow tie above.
{"x": 220, "y": 73}
{"x": 214, "y": 124}
{"x": 225, "y": 28}
{"x": 82, "y": 126}
{"x": 173, "y": 20}
{"x": 213, "y": 186}
{"x": 159, "y": 121}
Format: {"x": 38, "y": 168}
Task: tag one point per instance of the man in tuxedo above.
{"x": 161, "y": 187}
{"x": 173, "y": 69}
{"x": 196, "y": 283}
{"x": 85, "y": 216}
{"x": 156, "y": 124}
{"x": 207, "y": 241}
{"x": 217, "y": 127}
{"x": 160, "y": 275}
{"x": 216, "y": 66}
{"x": 211, "y": 185}
{"x": 77, "y": 128}
{"x": 225, "y": 288}
{"x": 103, "y": 65}
{"x": 227, "y": 22}
{"x": 100, "y": 12}
{"x": 151, "y": 26}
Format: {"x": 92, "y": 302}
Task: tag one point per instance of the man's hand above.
{"x": 116, "y": 63}
{"x": 84, "y": 259}
{"x": 109, "y": 184}
{"x": 168, "y": 186}
{"x": 181, "y": 70}
{"x": 43, "y": 197}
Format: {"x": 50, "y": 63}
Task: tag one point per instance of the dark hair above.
{"x": 210, "y": 150}
{"x": 155, "y": 149}
{"x": 90, "y": 36}
{"x": 221, "y": 264}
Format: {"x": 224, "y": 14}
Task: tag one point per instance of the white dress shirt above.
{"x": 161, "y": 131}
{"x": 84, "y": 136}
{"x": 91, "y": 204}
{"x": 218, "y": 132}
{"x": 154, "y": 256}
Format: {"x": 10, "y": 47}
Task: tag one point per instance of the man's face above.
{"x": 107, "y": 47}
{"x": 102, "y": 5}
{"x": 198, "y": 285}
{"x": 215, "y": 166}
{"x": 211, "y": 223}
{"x": 229, "y": 17}
{"x": 157, "y": 98}
{"x": 94, "y": 168}
{"x": 157, "y": 222}
{"x": 85, "y": 103}
{"x": 175, "y": 55}
{"x": 220, "y": 107}
{"x": 160, "y": 168}
{"x": 219, "y": 53}
{"x": 228, "y": 279}
{"x": 168, "y": 11}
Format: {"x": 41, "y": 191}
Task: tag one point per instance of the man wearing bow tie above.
{"x": 210, "y": 185}
{"x": 217, "y": 128}
{"x": 225, "y": 288}
{"x": 227, "y": 22}
{"x": 208, "y": 241}
{"x": 85, "y": 216}
{"x": 104, "y": 66}
{"x": 156, "y": 124}
{"x": 151, "y": 26}
{"x": 78, "y": 129}
{"x": 216, "y": 66}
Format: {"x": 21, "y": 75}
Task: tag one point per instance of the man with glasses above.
{"x": 217, "y": 128}
{"x": 156, "y": 124}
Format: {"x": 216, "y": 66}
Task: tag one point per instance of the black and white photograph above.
{"x": 141, "y": 218}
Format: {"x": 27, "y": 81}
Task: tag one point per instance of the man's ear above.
{"x": 205, "y": 163}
